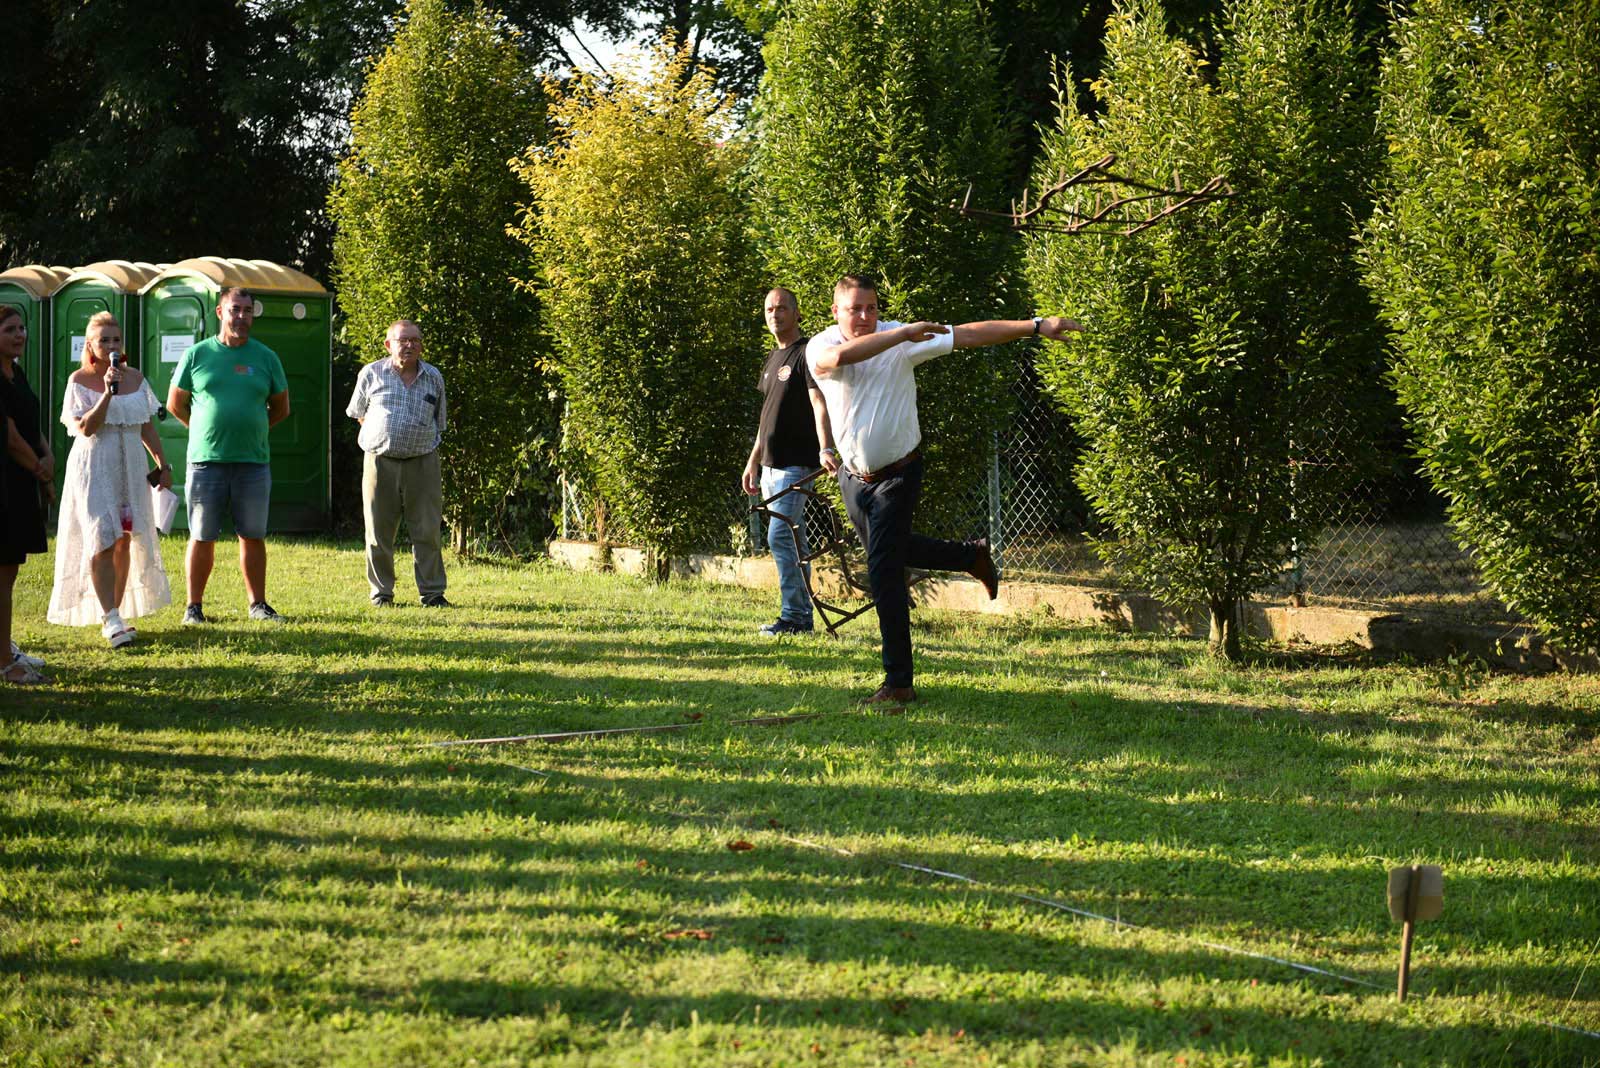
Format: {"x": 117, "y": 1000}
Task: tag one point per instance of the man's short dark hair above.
{"x": 231, "y": 290}
{"x": 794, "y": 301}
{"x": 857, "y": 281}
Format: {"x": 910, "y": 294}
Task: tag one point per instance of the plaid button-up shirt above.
{"x": 398, "y": 421}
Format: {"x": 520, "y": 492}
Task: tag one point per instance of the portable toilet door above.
{"x": 112, "y": 286}
{"x": 294, "y": 318}
{"x": 28, "y": 289}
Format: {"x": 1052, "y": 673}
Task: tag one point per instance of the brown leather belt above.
{"x": 869, "y": 477}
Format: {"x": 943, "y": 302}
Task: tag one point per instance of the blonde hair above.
{"x": 99, "y": 318}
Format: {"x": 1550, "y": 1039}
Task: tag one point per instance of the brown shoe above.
{"x": 983, "y": 568}
{"x": 891, "y": 695}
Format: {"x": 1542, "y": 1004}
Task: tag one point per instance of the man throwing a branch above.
{"x": 866, "y": 371}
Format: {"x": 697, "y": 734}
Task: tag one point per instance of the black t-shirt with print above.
{"x": 788, "y": 431}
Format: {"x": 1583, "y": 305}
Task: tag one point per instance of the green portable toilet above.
{"x": 294, "y": 318}
{"x": 28, "y": 289}
{"x": 113, "y": 286}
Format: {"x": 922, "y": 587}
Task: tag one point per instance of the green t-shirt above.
{"x": 229, "y": 387}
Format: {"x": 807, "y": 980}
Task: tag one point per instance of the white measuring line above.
{"x": 1061, "y": 906}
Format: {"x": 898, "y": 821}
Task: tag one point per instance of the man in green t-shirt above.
{"x": 229, "y": 391}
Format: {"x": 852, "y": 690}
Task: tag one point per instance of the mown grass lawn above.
{"x": 226, "y": 847}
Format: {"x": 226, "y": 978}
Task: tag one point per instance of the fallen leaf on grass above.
{"x": 641, "y": 864}
{"x": 694, "y": 717}
{"x": 698, "y": 933}
{"x": 739, "y": 845}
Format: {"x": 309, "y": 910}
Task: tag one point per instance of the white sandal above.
{"x": 28, "y": 675}
{"x": 117, "y": 633}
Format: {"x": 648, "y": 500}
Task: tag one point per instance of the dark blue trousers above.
{"x": 881, "y": 513}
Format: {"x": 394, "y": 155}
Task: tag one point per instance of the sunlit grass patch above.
{"x": 232, "y": 845}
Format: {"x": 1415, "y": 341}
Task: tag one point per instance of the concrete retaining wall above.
{"x": 1513, "y": 648}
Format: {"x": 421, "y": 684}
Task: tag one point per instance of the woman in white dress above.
{"x": 108, "y": 554}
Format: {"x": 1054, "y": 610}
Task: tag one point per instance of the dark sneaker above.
{"x": 193, "y": 617}
{"x": 382, "y": 600}
{"x": 785, "y": 626}
{"x": 436, "y": 600}
{"x": 263, "y": 612}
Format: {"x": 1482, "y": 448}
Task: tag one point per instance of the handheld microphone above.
{"x": 116, "y": 361}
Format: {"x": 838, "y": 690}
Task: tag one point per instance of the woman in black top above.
{"x": 27, "y": 475}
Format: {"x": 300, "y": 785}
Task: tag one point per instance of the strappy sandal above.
{"x": 118, "y": 634}
{"x": 19, "y": 673}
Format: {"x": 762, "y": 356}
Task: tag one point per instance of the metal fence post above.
{"x": 997, "y": 538}
{"x": 566, "y": 533}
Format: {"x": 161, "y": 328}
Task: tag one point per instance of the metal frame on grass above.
{"x": 833, "y": 616}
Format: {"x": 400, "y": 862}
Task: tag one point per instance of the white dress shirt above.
{"x": 873, "y": 404}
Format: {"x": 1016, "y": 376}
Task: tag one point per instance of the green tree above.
{"x": 422, "y": 203}
{"x": 646, "y": 277}
{"x": 158, "y": 131}
{"x": 1485, "y": 257}
{"x": 873, "y": 117}
{"x": 1223, "y": 346}
{"x": 145, "y": 134}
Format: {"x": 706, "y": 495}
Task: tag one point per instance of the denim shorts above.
{"x": 240, "y": 491}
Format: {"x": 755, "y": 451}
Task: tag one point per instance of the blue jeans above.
{"x": 785, "y": 553}
{"x": 241, "y": 490}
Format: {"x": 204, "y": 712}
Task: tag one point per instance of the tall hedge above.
{"x": 1224, "y": 346}
{"x": 1485, "y": 255}
{"x": 421, "y": 205}
{"x": 874, "y": 115}
{"x": 650, "y": 292}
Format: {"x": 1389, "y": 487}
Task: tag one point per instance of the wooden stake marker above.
{"x": 1416, "y": 893}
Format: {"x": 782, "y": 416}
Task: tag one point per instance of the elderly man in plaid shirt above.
{"x": 399, "y": 402}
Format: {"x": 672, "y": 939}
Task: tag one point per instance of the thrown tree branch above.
{"x": 1126, "y": 207}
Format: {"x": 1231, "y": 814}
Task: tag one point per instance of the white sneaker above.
{"x": 115, "y": 631}
{"x": 18, "y": 656}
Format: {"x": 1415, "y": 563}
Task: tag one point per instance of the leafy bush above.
{"x": 421, "y": 203}
{"x": 1485, "y": 256}
{"x": 650, "y": 295}
{"x": 874, "y": 115}
{"x": 1225, "y": 345}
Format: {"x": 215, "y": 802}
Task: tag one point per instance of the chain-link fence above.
{"x": 1386, "y": 545}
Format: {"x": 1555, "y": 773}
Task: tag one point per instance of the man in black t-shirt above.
{"x": 794, "y": 420}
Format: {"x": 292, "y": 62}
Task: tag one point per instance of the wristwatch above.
{"x": 1036, "y": 322}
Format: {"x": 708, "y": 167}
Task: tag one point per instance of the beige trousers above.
{"x": 390, "y": 489}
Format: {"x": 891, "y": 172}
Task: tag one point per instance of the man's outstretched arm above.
{"x": 998, "y": 331}
{"x": 869, "y": 345}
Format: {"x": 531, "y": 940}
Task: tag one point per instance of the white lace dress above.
{"x": 105, "y": 495}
